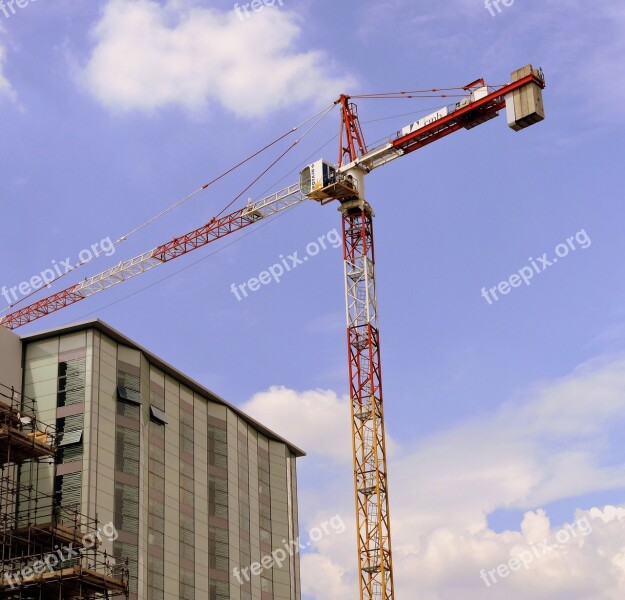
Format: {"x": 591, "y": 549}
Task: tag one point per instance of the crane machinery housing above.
{"x": 344, "y": 182}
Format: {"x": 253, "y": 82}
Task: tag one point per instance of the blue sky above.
{"x": 504, "y": 417}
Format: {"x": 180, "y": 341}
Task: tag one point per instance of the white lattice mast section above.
{"x": 369, "y": 446}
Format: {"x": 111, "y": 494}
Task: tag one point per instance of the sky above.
{"x": 503, "y": 416}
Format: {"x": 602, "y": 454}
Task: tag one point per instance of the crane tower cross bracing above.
{"x": 344, "y": 182}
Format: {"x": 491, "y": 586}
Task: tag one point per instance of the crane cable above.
{"x": 123, "y": 238}
{"x": 326, "y": 111}
{"x": 203, "y": 187}
{"x": 408, "y": 94}
{"x": 244, "y": 235}
{"x": 216, "y": 179}
{"x": 221, "y": 248}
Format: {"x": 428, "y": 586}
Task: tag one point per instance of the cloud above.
{"x": 316, "y": 420}
{"x": 582, "y": 559}
{"x": 559, "y": 36}
{"x": 5, "y": 86}
{"x": 147, "y": 56}
{"x": 556, "y": 441}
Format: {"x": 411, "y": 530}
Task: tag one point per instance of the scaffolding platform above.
{"x": 72, "y": 582}
{"x": 40, "y": 534}
{"x": 37, "y": 531}
{"x": 18, "y": 446}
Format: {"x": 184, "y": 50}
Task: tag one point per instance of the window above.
{"x": 129, "y": 388}
{"x": 67, "y": 491}
{"x": 127, "y": 454}
{"x": 71, "y": 382}
{"x": 157, "y": 388}
{"x": 187, "y": 585}
{"x": 128, "y": 460}
{"x": 156, "y": 523}
{"x": 158, "y": 415}
{"x": 156, "y": 578}
{"x": 265, "y": 516}
{"x": 70, "y": 445}
{"x": 187, "y": 537}
{"x": 265, "y": 535}
{"x": 218, "y": 551}
{"x": 217, "y": 447}
{"x": 123, "y": 551}
{"x": 129, "y": 381}
{"x": 128, "y": 410}
{"x": 264, "y": 491}
{"x": 187, "y": 480}
{"x": 70, "y": 437}
{"x": 129, "y": 395}
{"x": 217, "y": 497}
{"x": 127, "y": 507}
{"x": 70, "y": 453}
{"x": 187, "y": 485}
{"x": 156, "y": 468}
{"x": 187, "y": 433}
{"x": 219, "y": 591}
{"x": 245, "y": 552}
{"x": 156, "y": 511}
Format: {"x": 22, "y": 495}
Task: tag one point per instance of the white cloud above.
{"x": 324, "y": 579}
{"x": 578, "y": 560}
{"x": 554, "y": 442}
{"x": 582, "y": 73}
{"x": 5, "y": 87}
{"x": 316, "y": 420}
{"x": 147, "y": 56}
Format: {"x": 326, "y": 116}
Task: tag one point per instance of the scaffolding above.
{"x": 49, "y": 551}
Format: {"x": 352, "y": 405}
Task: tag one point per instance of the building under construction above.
{"x": 122, "y": 477}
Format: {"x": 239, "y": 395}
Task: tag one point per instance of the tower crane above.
{"x": 344, "y": 182}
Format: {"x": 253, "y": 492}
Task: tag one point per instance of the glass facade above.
{"x": 195, "y": 490}
{"x": 71, "y": 376}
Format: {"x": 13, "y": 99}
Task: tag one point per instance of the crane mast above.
{"x": 373, "y": 521}
{"x": 367, "y": 410}
{"x": 324, "y": 182}
{"x": 345, "y": 183}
